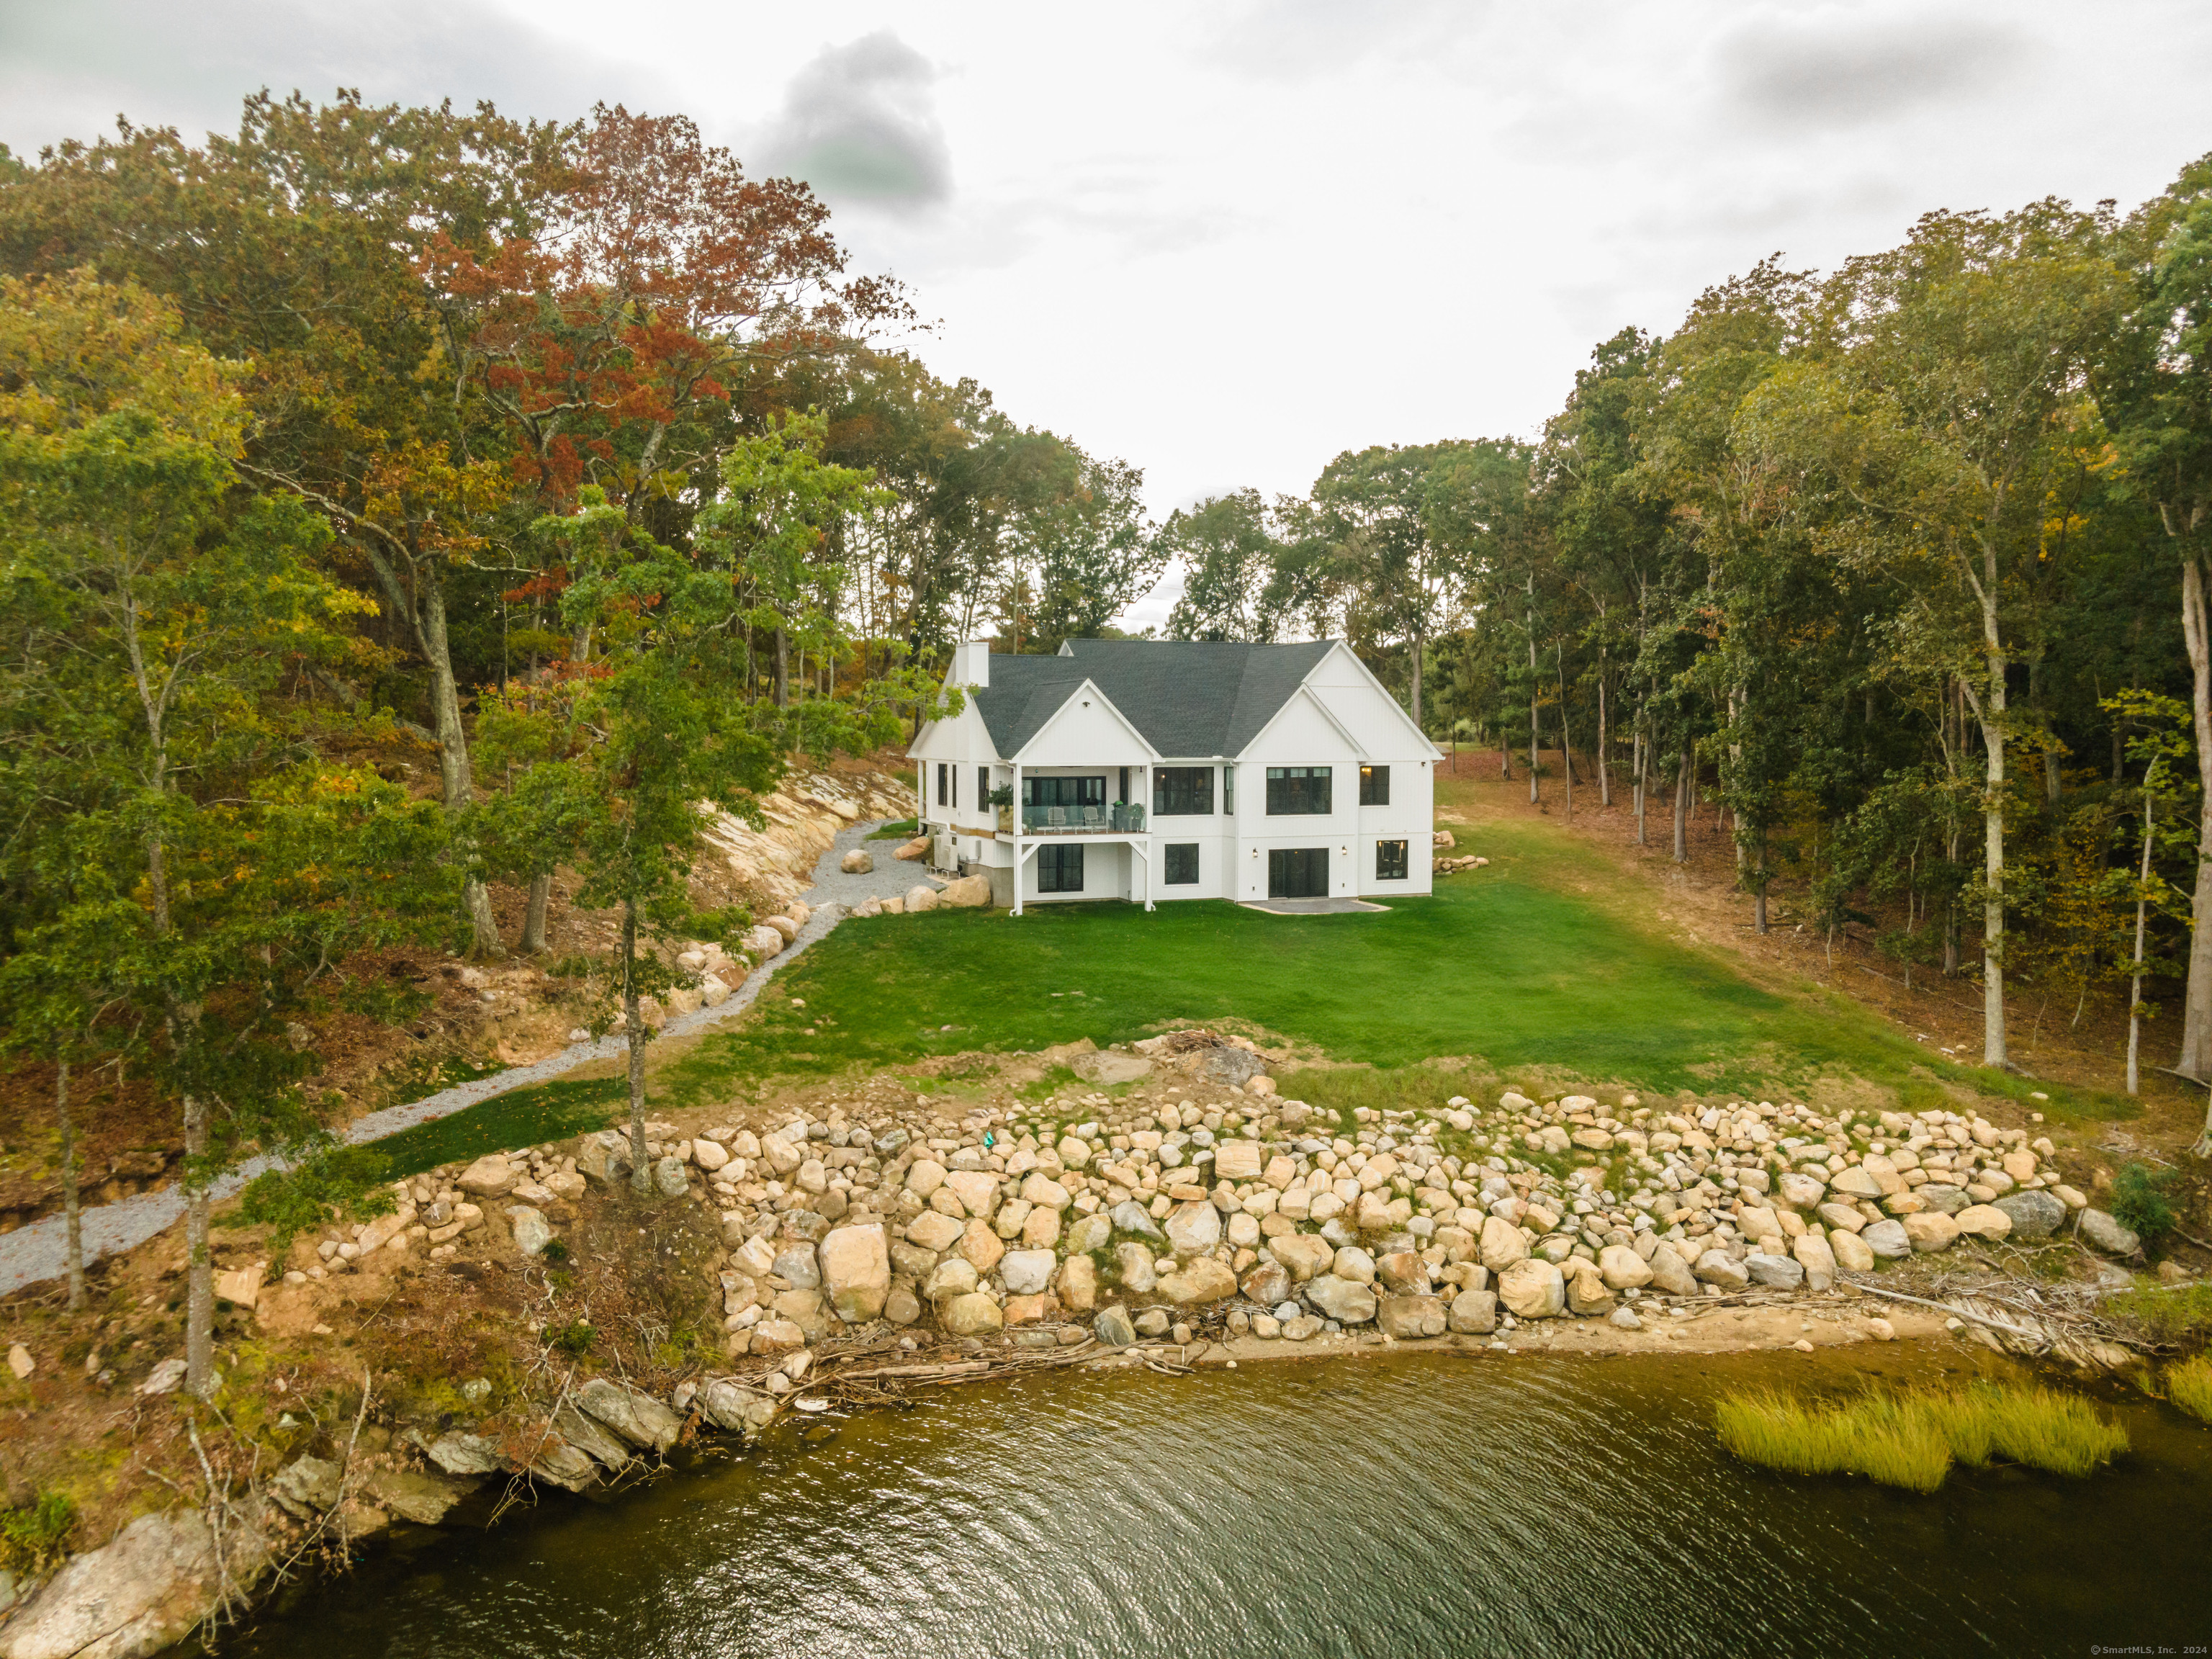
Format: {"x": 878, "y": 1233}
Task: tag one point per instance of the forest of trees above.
{"x": 576, "y": 463}
{"x": 1905, "y": 565}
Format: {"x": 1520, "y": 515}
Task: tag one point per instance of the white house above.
{"x": 1146, "y": 769}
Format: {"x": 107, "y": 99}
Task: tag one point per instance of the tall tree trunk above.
{"x": 1604, "y": 770}
{"x": 2143, "y": 914}
{"x": 641, "y": 1175}
{"x": 1758, "y": 889}
{"x": 1415, "y": 640}
{"x": 1534, "y": 725}
{"x": 533, "y": 915}
{"x": 1993, "y": 842}
{"x": 199, "y": 1285}
{"x": 1636, "y": 749}
{"x": 1682, "y": 765}
{"x": 1566, "y": 743}
{"x": 2196, "y": 1057}
{"x": 72, "y": 1216}
{"x": 783, "y": 669}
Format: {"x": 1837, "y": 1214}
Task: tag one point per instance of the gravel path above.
{"x": 31, "y": 1254}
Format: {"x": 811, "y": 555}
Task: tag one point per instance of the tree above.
{"x": 1227, "y": 549}
{"x": 216, "y": 873}
{"x": 1951, "y": 400}
{"x": 2156, "y": 389}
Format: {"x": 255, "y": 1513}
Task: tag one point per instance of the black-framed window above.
{"x": 1298, "y": 790}
{"x": 1229, "y": 789}
{"x": 1183, "y": 792}
{"x": 983, "y": 787}
{"x": 1390, "y": 860}
{"x": 944, "y": 795}
{"x": 1060, "y": 868}
{"x": 1064, "y": 792}
{"x": 1374, "y": 785}
{"x": 1182, "y": 864}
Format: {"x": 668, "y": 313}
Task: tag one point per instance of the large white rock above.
{"x": 1341, "y": 1299}
{"x": 977, "y": 1191}
{"x": 968, "y": 893}
{"x": 1502, "y": 1244}
{"x": 139, "y": 1594}
{"x": 488, "y": 1177}
{"x": 1202, "y": 1281}
{"x": 919, "y": 899}
{"x": 1194, "y": 1228}
{"x": 857, "y": 862}
{"x": 1026, "y": 1273}
{"x": 1622, "y": 1268}
{"x": 856, "y": 1271}
{"x": 1533, "y": 1288}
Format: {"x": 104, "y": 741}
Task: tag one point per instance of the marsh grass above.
{"x": 2189, "y": 1385}
{"x": 1911, "y": 1439}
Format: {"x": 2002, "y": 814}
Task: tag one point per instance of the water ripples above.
{"x": 1365, "y": 1510}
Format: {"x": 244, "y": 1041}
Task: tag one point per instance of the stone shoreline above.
{"x": 888, "y": 1241}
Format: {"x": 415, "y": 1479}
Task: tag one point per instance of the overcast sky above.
{"x": 1228, "y": 241}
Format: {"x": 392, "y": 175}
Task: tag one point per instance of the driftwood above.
{"x": 2036, "y": 1323}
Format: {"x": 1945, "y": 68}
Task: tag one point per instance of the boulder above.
{"x": 1089, "y": 1233}
{"x": 1301, "y": 1255}
{"x": 1856, "y": 1183}
{"x": 1533, "y": 1288}
{"x": 856, "y": 1271}
{"x": 920, "y": 899}
{"x": 934, "y": 1231}
{"x": 1716, "y": 1267}
{"x": 1113, "y": 1328}
{"x": 1139, "y": 1276}
{"x": 1984, "y": 1221}
{"x": 489, "y": 1176}
{"x": 456, "y": 1453}
{"x": 1403, "y": 1270}
{"x": 1930, "y": 1231}
{"x": 1131, "y": 1217}
{"x": 973, "y": 1315}
{"x": 1842, "y": 1217}
{"x": 729, "y": 1404}
{"x": 1818, "y": 1260}
{"x": 1027, "y": 1272}
{"x": 1411, "y": 1317}
{"x": 798, "y": 1265}
{"x": 636, "y": 1417}
{"x": 589, "y": 1437}
{"x": 968, "y": 893}
{"x": 912, "y": 850}
{"x": 924, "y": 1176}
{"x": 1777, "y": 1272}
{"x": 1079, "y": 1284}
{"x": 1474, "y": 1313}
{"x": 533, "y": 1232}
{"x": 1202, "y": 1281}
{"x": 955, "y": 1276}
{"x": 977, "y": 1191}
{"x": 140, "y": 1593}
{"x": 417, "y": 1495}
{"x": 1941, "y": 1195}
{"x": 1622, "y": 1268}
{"x": 773, "y": 1336}
{"x": 1194, "y": 1228}
{"x": 673, "y": 1176}
{"x": 1502, "y": 1244}
{"x": 708, "y": 1155}
{"x": 982, "y": 1246}
{"x": 1237, "y": 1160}
{"x": 1888, "y": 1240}
{"x": 1852, "y": 1253}
{"x": 1355, "y": 1264}
{"x": 763, "y": 942}
{"x": 1802, "y": 1192}
{"x": 1670, "y": 1274}
{"x": 1341, "y": 1299}
{"x": 1586, "y": 1296}
{"x": 2033, "y": 1213}
{"x": 857, "y": 862}
{"x": 2107, "y": 1235}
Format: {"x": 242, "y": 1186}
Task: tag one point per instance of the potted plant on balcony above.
{"x": 1002, "y": 798}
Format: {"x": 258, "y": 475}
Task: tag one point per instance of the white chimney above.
{"x": 971, "y": 663}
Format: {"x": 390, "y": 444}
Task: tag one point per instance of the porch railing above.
{"x": 1123, "y": 818}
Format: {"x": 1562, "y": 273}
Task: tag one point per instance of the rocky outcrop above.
{"x": 145, "y": 1590}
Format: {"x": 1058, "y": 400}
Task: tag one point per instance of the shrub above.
{"x": 2139, "y": 1200}
{"x": 2174, "y": 1314}
{"x": 36, "y": 1535}
{"x": 2189, "y": 1385}
{"x": 330, "y": 1182}
{"x": 556, "y": 1251}
{"x": 574, "y": 1339}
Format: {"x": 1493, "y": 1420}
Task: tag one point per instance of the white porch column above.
{"x": 1018, "y": 838}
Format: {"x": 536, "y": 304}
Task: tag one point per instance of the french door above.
{"x": 1297, "y": 872}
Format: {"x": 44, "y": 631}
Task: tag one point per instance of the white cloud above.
{"x": 860, "y": 123}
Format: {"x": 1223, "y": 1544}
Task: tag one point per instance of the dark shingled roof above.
{"x": 1189, "y": 698}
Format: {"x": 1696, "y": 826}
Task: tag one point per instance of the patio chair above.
{"x": 1093, "y": 818}
{"x": 1056, "y": 818}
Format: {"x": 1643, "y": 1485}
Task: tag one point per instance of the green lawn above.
{"x": 1538, "y": 961}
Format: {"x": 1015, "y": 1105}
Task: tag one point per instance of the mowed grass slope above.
{"x": 1534, "y": 962}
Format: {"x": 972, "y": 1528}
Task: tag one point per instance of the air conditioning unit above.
{"x": 947, "y": 855}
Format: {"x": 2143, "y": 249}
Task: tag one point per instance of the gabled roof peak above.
{"x": 1187, "y": 697}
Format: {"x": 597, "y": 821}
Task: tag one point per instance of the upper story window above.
{"x": 1229, "y": 789}
{"x": 944, "y": 787}
{"x": 1374, "y": 785}
{"x": 1298, "y": 789}
{"x": 1183, "y": 791}
{"x": 1064, "y": 792}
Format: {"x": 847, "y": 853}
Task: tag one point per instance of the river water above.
{"x": 1403, "y": 1506}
